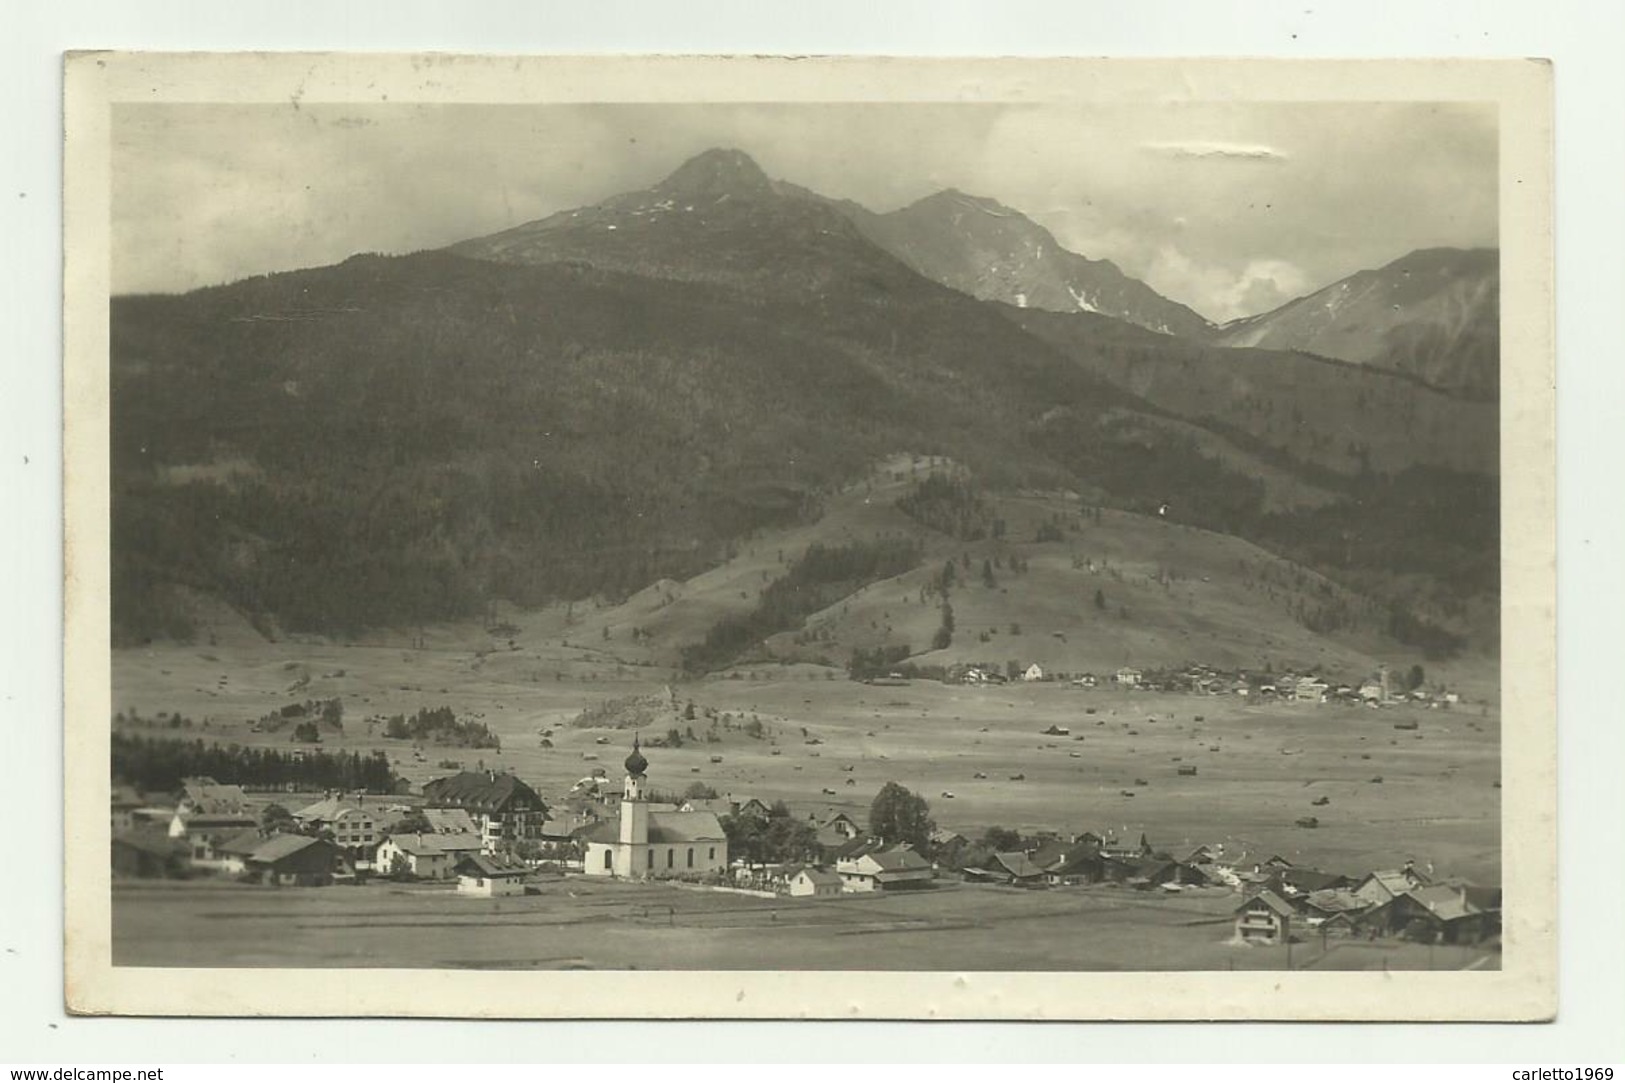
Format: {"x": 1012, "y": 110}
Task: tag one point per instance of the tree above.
{"x": 945, "y": 631}
{"x": 413, "y": 823}
{"x": 987, "y": 575}
{"x": 277, "y": 818}
{"x": 400, "y": 868}
{"x": 306, "y": 733}
{"x": 699, "y": 791}
{"x": 900, "y": 815}
{"x": 1415, "y": 678}
{"x": 1001, "y": 839}
{"x": 1100, "y": 598}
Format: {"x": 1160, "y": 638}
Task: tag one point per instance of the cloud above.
{"x": 1202, "y": 148}
{"x": 1227, "y": 290}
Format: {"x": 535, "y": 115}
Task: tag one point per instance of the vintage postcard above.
{"x": 809, "y": 538}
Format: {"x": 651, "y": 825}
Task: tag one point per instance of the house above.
{"x": 203, "y": 831}
{"x": 810, "y": 882}
{"x": 148, "y": 854}
{"x": 1310, "y": 690}
{"x": 1371, "y": 692}
{"x": 885, "y": 870}
{"x": 295, "y": 860}
{"x": 418, "y": 855}
{"x": 642, "y": 842}
{"x": 355, "y": 827}
{"x": 231, "y": 854}
{"x": 1128, "y": 677}
{"x": 1320, "y": 907}
{"x": 1442, "y": 914}
{"x": 204, "y": 795}
{"x": 1017, "y": 868}
{"x": 750, "y": 806}
{"x": 1266, "y": 918}
{"x": 1081, "y": 863}
{"x": 489, "y": 875}
{"x": 1034, "y": 672}
{"x": 1086, "y": 681}
{"x": 1385, "y": 885}
{"x": 502, "y": 809}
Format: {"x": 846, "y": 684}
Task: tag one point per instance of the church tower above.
{"x": 634, "y": 836}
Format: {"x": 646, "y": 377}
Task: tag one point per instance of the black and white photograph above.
{"x": 832, "y": 535}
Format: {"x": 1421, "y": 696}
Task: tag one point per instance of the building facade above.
{"x": 641, "y": 843}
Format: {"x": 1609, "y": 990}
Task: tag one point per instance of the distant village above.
{"x": 487, "y": 834}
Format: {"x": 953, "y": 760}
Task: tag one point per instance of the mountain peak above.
{"x": 718, "y": 171}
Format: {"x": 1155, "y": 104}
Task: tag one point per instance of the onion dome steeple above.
{"x": 635, "y": 763}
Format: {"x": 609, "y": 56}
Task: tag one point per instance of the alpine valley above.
{"x": 737, "y": 421}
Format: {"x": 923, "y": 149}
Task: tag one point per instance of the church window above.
{"x": 651, "y": 861}
{"x": 691, "y": 857}
{"x": 670, "y": 857}
{"x": 608, "y": 856}
{"x": 713, "y": 855}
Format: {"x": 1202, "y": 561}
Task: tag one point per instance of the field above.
{"x": 1259, "y": 767}
{"x": 578, "y": 924}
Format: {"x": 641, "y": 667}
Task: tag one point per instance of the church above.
{"x": 645, "y": 843}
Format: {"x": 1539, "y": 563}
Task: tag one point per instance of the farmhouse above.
{"x": 488, "y": 875}
{"x": 884, "y": 870}
{"x": 1387, "y": 884}
{"x": 299, "y": 860}
{"x": 1128, "y": 677}
{"x": 1443, "y": 914}
{"x": 1034, "y": 672}
{"x": 203, "y": 831}
{"x": 503, "y": 809}
{"x": 641, "y": 842}
{"x": 417, "y": 855}
{"x": 1265, "y": 918}
{"x": 813, "y": 883}
{"x": 354, "y": 826}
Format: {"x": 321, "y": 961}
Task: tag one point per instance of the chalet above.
{"x": 420, "y": 856}
{"x": 1442, "y": 914}
{"x": 1265, "y": 918}
{"x": 1387, "y": 884}
{"x": 148, "y": 854}
{"x": 1081, "y": 863}
{"x": 232, "y": 853}
{"x": 1371, "y": 692}
{"x": 944, "y": 839}
{"x": 488, "y": 875}
{"x": 297, "y": 860}
{"x": 503, "y": 809}
{"x": 205, "y": 795}
{"x": 809, "y": 882}
{"x": 203, "y": 831}
{"x": 1128, "y": 677}
{"x": 1320, "y": 907}
{"x": 885, "y": 870}
{"x": 1017, "y": 868}
{"x": 1034, "y": 672}
{"x": 355, "y": 827}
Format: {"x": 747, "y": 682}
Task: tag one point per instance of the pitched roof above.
{"x": 1336, "y": 900}
{"x": 685, "y": 827}
{"x": 719, "y": 806}
{"x": 208, "y": 796}
{"x": 243, "y": 843}
{"x": 325, "y": 810}
{"x": 821, "y": 877}
{"x": 195, "y": 821}
{"x": 1018, "y": 864}
{"x": 1305, "y": 879}
{"x": 479, "y": 791}
{"x": 901, "y": 859}
{"x": 277, "y": 847}
{"x": 449, "y": 821}
{"x": 1447, "y": 902}
{"x": 1049, "y": 852}
{"x": 492, "y": 865}
{"x": 1269, "y": 899}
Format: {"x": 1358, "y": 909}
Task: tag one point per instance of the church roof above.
{"x": 685, "y": 827}
{"x": 665, "y": 827}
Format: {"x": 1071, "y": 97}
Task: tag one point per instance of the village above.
{"x": 487, "y": 834}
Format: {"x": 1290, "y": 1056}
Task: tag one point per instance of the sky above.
{"x": 1230, "y": 208}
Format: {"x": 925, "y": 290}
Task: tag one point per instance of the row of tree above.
{"x": 153, "y": 763}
